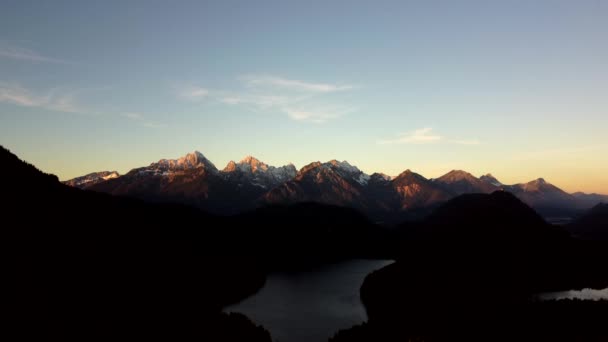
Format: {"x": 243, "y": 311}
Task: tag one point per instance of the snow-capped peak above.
{"x": 346, "y": 169}
{"x": 190, "y": 161}
{"x": 259, "y": 173}
{"x": 381, "y": 177}
{"x": 343, "y": 165}
{"x": 92, "y": 179}
{"x": 253, "y": 164}
{"x": 231, "y": 167}
{"x": 111, "y": 175}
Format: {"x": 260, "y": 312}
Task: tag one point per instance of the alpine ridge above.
{"x": 91, "y": 179}
{"x": 240, "y": 186}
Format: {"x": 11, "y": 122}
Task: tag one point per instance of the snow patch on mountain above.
{"x": 345, "y": 169}
{"x": 259, "y": 173}
{"x": 91, "y": 179}
{"x": 168, "y": 167}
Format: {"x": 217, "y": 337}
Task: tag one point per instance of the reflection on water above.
{"x": 310, "y": 306}
{"x": 584, "y": 294}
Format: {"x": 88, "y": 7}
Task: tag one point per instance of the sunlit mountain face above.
{"x": 251, "y": 183}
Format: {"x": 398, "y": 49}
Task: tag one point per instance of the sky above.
{"x": 514, "y": 88}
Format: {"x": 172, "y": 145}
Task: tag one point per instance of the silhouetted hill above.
{"x": 500, "y": 207}
{"x": 469, "y": 273}
{"x": 559, "y": 321}
{"x": 88, "y": 266}
{"x": 309, "y": 233}
{"x": 498, "y": 215}
{"x": 592, "y": 225}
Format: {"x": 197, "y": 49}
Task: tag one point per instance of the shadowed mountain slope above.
{"x": 592, "y": 225}
{"x": 88, "y": 266}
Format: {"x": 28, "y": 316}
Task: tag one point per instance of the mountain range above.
{"x": 250, "y": 183}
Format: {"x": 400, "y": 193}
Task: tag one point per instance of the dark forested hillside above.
{"x": 89, "y": 266}
{"x": 471, "y": 271}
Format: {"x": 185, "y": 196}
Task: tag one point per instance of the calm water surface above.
{"x": 310, "y": 306}
{"x": 584, "y": 294}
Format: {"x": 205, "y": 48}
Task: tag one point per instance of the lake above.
{"x": 310, "y": 306}
{"x": 584, "y": 294}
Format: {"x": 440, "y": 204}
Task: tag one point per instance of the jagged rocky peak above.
{"x": 194, "y": 159}
{"x": 311, "y": 166}
{"x": 290, "y": 169}
{"x": 536, "y": 185}
{"x": 346, "y": 169}
{"x": 190, "y": 161}
{"x": 250, "y": 164}
{"x": 456, "y": 175}
{"x": 341, "y": 169}
{"x": 253, "y": 164}
{"x": 409, "y": 174}
{"x": 343, "y": 165}
{"x": 92, "y": 179}
{"x": 489, "y": 178}
{"x": 380, "y": 177}
{"x": 259, "y": 173}
{"x": 231, "y": 167}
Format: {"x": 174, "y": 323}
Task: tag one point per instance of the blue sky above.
{"x": 515, "y": 88}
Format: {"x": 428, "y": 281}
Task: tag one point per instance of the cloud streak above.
{"x": 262, "y": 101}
{"x": 425, "y": 136}
{"x": 298, "y": 100}
{"x": 316, "y": 115}
{"x": 465, "y": 142}
{"x": 419, "y": 136}
{"x": 192, "y": 93}
{"x": 297, "y": 85}
{"x": 22, "y": 54}
{"x": 53, "y": 100}
{"x": 142, "y": 121}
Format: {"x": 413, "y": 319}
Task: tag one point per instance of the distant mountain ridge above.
{"x": 91, "y": 179}
{"x": 250, "y": 183}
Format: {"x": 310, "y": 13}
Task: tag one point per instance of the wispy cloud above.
{"x": 317, "y": 115}
{"x": 298, "y": 85}
{"x": 23, "y": 54}
{"x": 192, "y": 93}
{"x": 54, "y": 99}
{"x": 154, "y": 125}
{"x": 465, "y": 142}
{"x": 426, "y": 136}
{"x": 263, "y": 101}
{"x": 133, "y": 116}
{"x": 141, "y": 120}
{"x": 299, "y": 100}
{"x": 419, "y": 136}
